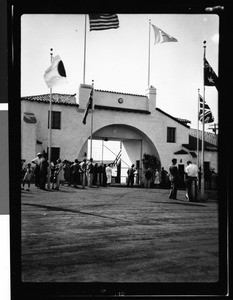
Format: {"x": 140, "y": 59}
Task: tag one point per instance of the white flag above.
{"x": 161, "y": 36}
{"x": 55, "y": 74}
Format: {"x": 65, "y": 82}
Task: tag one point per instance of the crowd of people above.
{"x": 86, "y": 173}
{"x": 78, "y": 173}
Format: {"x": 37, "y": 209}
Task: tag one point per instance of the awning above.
{"x": 181, "y": 152}
{"x": 193, "y": 154}
{"x": 29, "y": 118}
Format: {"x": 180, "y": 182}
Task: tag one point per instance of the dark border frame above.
{"x": 21, "y": 290}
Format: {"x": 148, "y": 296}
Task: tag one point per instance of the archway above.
{"x": 122, "y": 144}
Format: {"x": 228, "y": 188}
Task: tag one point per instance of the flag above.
{"x": 103, "y": 21}
{"x": 89, "y": 106}
{"x": 208, "y": 117}
{"x": 161, "y": 36}
{"x": 55, "y": 74}
{"x": 210, "y": 78}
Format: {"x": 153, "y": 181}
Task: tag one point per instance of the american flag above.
{"x": 103, "y": 21}
{"x": 208, "y": 116}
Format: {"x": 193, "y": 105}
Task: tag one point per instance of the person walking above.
{"x": 157, "y": 180}
{"x": 173, "y": 177}
{"x": 108, "y": 171}
{"x": 191, "y": 172}
{"x": 27, "y": 176}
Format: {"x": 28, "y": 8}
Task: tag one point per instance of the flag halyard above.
{"x": 103, "y": 21}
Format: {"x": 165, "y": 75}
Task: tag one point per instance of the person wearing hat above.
{"x": 37, "y": 161}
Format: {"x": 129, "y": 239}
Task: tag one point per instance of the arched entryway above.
{"x": 121, "y": 143}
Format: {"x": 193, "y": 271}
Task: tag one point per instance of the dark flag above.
{"x": 103, "y": 21}
{"x": 89, "y": 106}
{"x": 210, "y": 78}
{"x": 208, "y": 117}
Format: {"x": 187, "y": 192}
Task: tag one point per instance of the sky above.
{"x": 117, "y": 59}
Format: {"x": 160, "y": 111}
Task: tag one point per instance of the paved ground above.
{"x": 117, "y": 234}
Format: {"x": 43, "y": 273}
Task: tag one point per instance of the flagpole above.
{"x": 50, "y": 123}
{"x": 198, "y": 109}
{"x": 149, "y": 55}
{"x": 85, "y": 41}
{"x": 92, "y": 107}
{"x": 203, "y": 130}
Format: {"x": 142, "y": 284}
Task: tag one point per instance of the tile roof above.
{"x": 122, "y": 93}
{"x": 181, "y": 121}
{"x": 65, "y": 99}
{"x": 210, "y": 137}
{"x": 192, "y": 145}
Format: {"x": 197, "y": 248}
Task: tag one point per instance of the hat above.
{"x": 38, "y": 154}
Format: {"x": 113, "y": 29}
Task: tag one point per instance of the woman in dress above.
{"x": 109, "y": 174}
{"x": 157, "y": 181}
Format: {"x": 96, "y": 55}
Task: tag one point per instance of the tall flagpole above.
{"x": 148, "y": 83}
{"x": 198, "y": 108}
{"x": 92, "y": 107}
{"x": 50, "y": 123}
{"x": 85, "y": 41}
{"x": 203, "y": 130}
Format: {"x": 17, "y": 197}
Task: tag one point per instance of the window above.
{"x": 55, "y": 153}
{"x": 56, "y": 120}
{"x": 171, "y": 134}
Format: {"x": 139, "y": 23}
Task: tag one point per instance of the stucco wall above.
{"x": 151, "y": 128}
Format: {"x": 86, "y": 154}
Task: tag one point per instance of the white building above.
{"x": 132, "y": 120}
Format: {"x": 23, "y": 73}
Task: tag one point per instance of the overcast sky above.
{"x": 117, "y": 59}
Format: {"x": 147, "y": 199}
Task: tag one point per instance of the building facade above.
{"x": 133, "y": 120}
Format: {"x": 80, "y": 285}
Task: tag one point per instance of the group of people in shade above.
{"x": 78, "y": 173}
{"x": 86, "y": 173}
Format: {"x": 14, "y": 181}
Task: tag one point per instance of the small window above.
{"x": 171, "y": 134}
{"x": 56, "y": 120}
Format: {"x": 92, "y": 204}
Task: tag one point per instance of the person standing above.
{"x": 27, "y": 176}
{"x": 148, "y": 175}
{"x": 130, "y": 173}
{"x": 37, "y": 161}
{"x": 108, "y": 171}
{"x": 163, "y": 177}
{"x": 43, "y": 172}
{"x": 75, "y": 172}
{"x": 156, "y": 181}
{"x": 90, "y": 172}
{"x": 60, "y": 173}
{"x": 83, "y": 168}
{"x": 191, "y": 178}
{"x": 173, "y": 176}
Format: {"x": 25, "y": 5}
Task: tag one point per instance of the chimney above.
{"x": 151, "y": 94}
{"x": 84, "y": 94}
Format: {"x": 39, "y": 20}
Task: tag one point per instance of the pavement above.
{"x": 118, "y": 234}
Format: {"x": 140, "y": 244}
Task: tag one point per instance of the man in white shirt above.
{"x": 191, "y": 174}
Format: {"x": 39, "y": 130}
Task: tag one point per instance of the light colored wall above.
{"x": 73, "y": 136}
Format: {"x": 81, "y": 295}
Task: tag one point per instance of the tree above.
{"x": 150, "y": 161}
